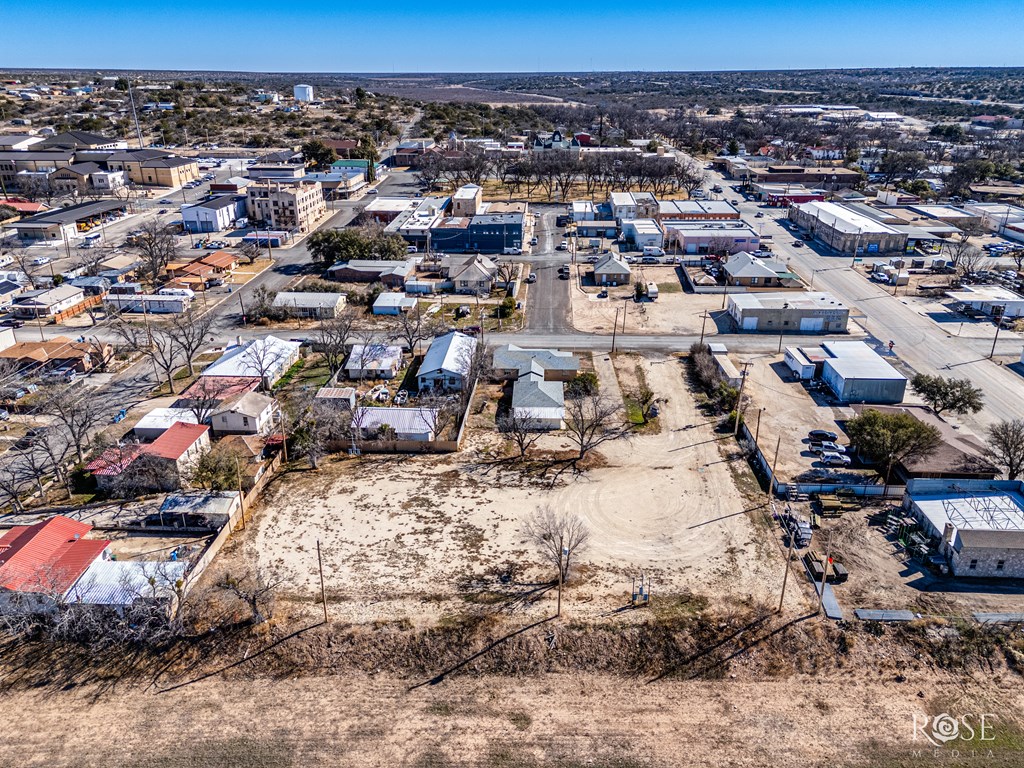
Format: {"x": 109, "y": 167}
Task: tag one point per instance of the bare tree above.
{"x": 439, "y": 413}
{"x": 263, "y": 360}
{"x": 156, "y": 245}
{"x": 23, "y": 259}
{"x": 76, "y": 412}
{"x": 413, "y": 327}
{"x": 154, "y": 343}
{"x": 520, "y": 429}
{"x": 315, "y": 425}
{"x": 189, "y": 330}
{"x": 559, "y": 537}
{"x": 591, "y": 421}
{"x": 969, "y": 261}
{"x": 1006, "y": 447}
{"x": 204, "y": 396}
{"x": 255, "y": 588}
{"x": 332, "y": 339}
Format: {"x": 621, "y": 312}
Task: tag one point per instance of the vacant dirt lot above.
{"x": 564, "y": 720}
{"x": 673, "y": 312}
{"x": 413, "y": 536}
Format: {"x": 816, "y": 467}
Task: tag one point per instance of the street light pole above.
{"x": 999, "y": 323}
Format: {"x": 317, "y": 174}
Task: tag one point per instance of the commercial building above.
{"x": 788, "y": 312}
{"x": 857, "y": 374}
{"x": 633, "y": 205}
{"x": 978, "y": 525}
{"x": 825, "y": 178}
{"x": 846, "y": 230}
{"x": 18, "y": 169}
{"x": 696, "y": 210}
{"x": 695, "y": 237}
{"x": 154, "y": 167}
{"x": 83, "y": 140}
{"x": 467, "y": 200}
{"x": 294, "y": 206}
{"x": 785, "y": 195}
{"x": 66, "y": 223}
{"x": 643, "y": 233}
{"x": 990, "y": 299}
{"x": 213, "y": 215}
{"x": 484, "y": 233}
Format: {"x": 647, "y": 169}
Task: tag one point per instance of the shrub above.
{"x": 582, "y": 385}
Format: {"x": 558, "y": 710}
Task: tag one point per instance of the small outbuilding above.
{"x": 858, "y": 374}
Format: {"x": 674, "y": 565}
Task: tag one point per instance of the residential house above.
{"x": 321, "y": 306}
{"x": 267, "y": 358}
{"x": 221, "y": 262}
{"x": 447, "y": 363}
{"x": 473, "y": 274}
{"x": 250, "y": 414}
{"x": 8, "y": 291}
{"x": 251, "y": 453}
{"x": 393, "y": 303}
{"x": 58, "y": 352}
{"x": 168, "y": 459}
{"x": 538, "y": 394}
{"x": 373, "y": 361}
{"x": 751, "y": 271}
{"x": 409, "y": 424}
{"x": 392, "y": 274}
{"x": 47, "y": 303}
{"x": 40, "y": 563}
{"x": 159, "y": 420}
{"x": 611, "y": 270}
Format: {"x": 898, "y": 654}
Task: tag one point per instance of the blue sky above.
{"x": 459, "y": 36}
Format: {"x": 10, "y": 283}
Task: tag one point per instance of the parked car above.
{"x": 828, "y": 446}
{"x": 30, "y": 438}
{"x": 371, "y": 191}
{"x": 410, "y": 249}
{"x": 39, "y": 260}
{"x": 533, "y": 241}
{"x": 532, "y": 277}
{"x": 798, "y": 244}
{"x": 593, "y": 259}
{"x": 471, "y": 330}
{"x": 512, "y": 252}
{"x": 759, "y": 215}
{"x": 162, "y": 211}
{"x": 383, "y": 396}
{"x": 820, "y": 435}
{"x": 650, "y": 260}
{"x": 13, "y": 323}
{"x": 835, "y": 459}
{"x": 563, "y": 246}
{"x": 4, "y": 415}
{"x": 602, "y": 294}
{"x": 401, "y": 397}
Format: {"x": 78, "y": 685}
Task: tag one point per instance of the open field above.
{"x": 553, "y": 720}
{"x": 414, "y": 536}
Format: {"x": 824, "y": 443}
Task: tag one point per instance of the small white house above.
{"x": 251, "y": 414}
{"x": 393, "y": 303}
{"x": 319, "y": 306}
{"x": 447, "y": 362}
{"x": 373, "y": 361}
{"x": 159, "y": 420}
{"x": 268, "y": 357}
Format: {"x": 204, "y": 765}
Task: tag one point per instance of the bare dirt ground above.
{"x": 401, "y": 536}
{"x": 564, "y": 720}
{"x": 672, "y": 312}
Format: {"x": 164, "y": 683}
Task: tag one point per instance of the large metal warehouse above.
{"x": 857, "y": 374}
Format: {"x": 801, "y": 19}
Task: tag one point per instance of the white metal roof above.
{"x": 450, "y": 353}
{"x": 122, "y": 582}
{"x": 844, "y": 219}
{"x": 808, "y": 300}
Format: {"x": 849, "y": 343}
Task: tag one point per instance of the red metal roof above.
{"x": 173, "y": 443}
{"x": 114, "y": 461}
{"x": 47, "y": 557}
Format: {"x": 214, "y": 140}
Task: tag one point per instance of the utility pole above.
{"x": 739, "y": 399}
{"x": 775, "y": 460}
{"x": 824, "y": 571}
{"x": 241, "y": 494}
{"x": 323, "y": 591}
{"x": 615, "y": 328}
{"x": 999, "y": 324}
{"x": 785, "y": 577}
{"x": 703, "y": 322}
{"x": 782, "y": 329}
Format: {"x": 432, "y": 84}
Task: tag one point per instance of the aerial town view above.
{"x": 374, "y": 393}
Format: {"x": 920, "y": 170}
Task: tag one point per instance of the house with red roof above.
{"x": 46, "y": 559}
{"x": 160, "y": 465}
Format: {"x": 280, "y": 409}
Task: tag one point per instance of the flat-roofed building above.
{"x": 846, "y": 230}
{"x": 290, "y": 206}
{"x": 815, "y": 312}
